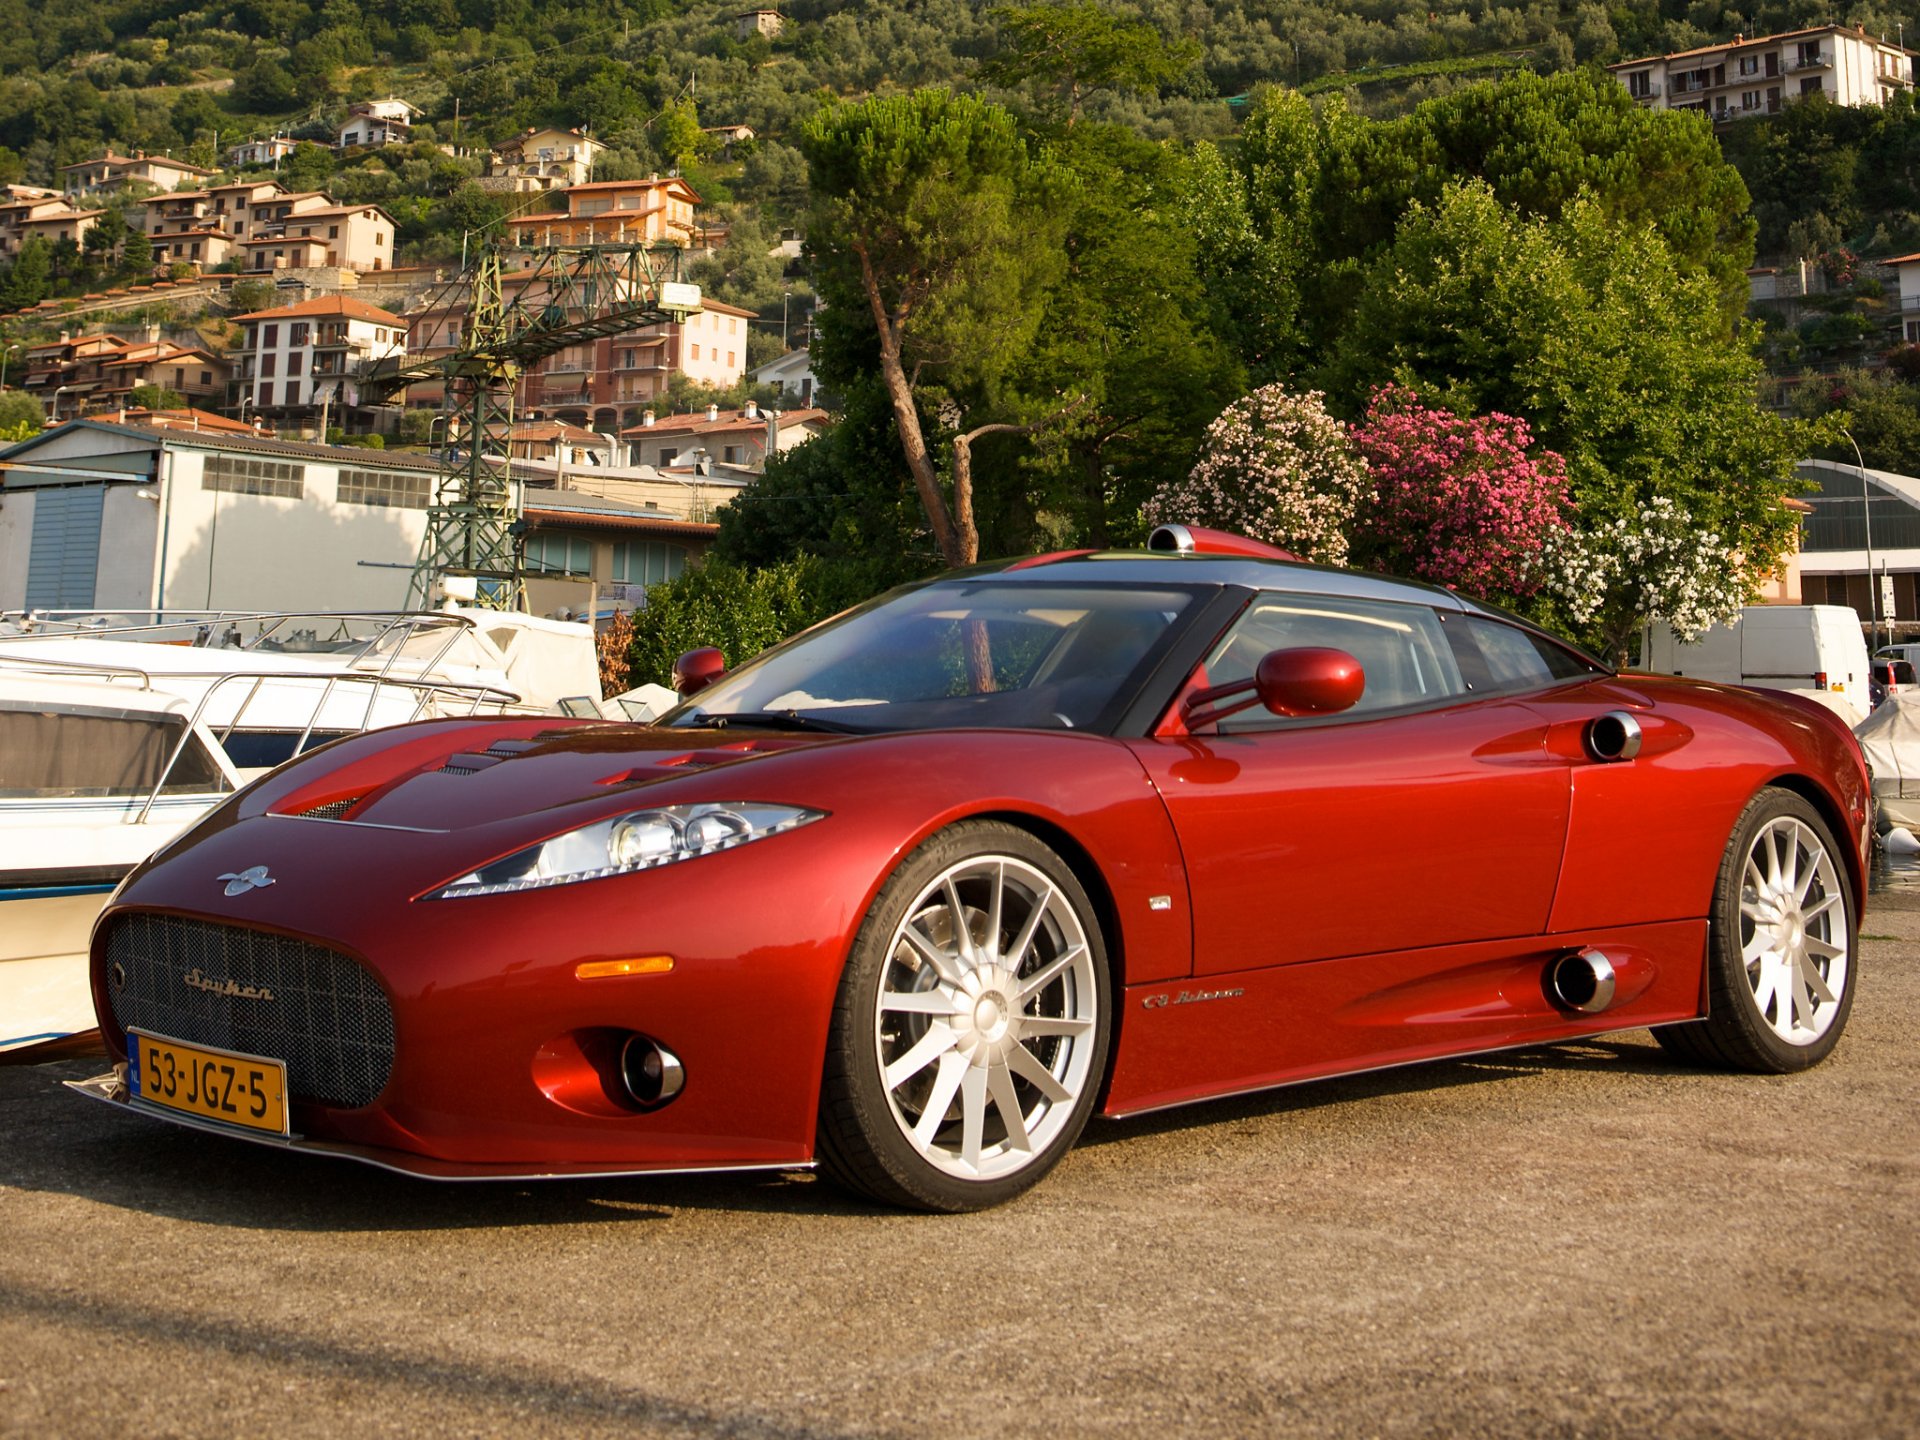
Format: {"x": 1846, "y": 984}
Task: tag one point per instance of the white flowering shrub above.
{"x": 1650, "y": 565}
{"x": 1274, "y": 466}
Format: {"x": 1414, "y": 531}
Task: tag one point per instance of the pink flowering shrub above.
{"x": 1274, "y": 466}
{"x": 1459, "y": 502}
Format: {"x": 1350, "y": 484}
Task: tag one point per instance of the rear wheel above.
{"x": 1780, "y": 957}
{"x": 970, "y": 1033}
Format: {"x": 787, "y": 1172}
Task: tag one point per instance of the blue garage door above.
{"x": 65, "y": 559}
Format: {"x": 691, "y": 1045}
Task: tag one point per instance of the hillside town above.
{"x": 592, "y": 423}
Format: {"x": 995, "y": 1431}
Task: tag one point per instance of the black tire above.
{"x": 1781, "y": 954}
{"x": 931, "y": 1032}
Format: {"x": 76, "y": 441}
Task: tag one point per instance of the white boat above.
{"x": 118, "y": 732}
{"x": 1890, "y": 736}
{"x": 93, "y": 779}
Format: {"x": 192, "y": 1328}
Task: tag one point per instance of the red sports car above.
{"x": 914, "y": 894}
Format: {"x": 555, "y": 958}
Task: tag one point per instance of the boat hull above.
{"x": 43, "y": 962}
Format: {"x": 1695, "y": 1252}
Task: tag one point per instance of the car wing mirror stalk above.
{"x": 1308, "y": 681}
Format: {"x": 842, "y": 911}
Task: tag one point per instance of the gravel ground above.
{"x": 1572, "y": 1241}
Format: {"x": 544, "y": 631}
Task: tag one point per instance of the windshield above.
{"x": 983, "y": 652}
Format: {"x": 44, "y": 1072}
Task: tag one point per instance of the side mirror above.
{"x": 1310, "y": 680}
{"x": 697, "y": 669}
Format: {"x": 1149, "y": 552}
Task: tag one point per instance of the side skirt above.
{"x": 1227, "y": 1034}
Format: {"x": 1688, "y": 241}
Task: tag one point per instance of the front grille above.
{"x": 328, "y": 1018}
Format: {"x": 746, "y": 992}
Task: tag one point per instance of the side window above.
{"x": 1401, "y": 648}
{"x": 1500, "y": 658}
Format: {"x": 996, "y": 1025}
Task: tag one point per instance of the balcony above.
{"x": 1821, "y": 61}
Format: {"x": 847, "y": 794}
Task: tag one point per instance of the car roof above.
{"x": 1138, "y": 567}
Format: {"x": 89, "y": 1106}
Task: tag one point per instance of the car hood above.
{"x": 460, "y": 778}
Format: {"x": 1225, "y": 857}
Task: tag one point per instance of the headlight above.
{"x": 643, "y": 840}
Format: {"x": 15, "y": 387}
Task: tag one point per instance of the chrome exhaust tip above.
{"x": 1613, "y": 736}
{"x": 1583, "y": 982}
{"x": 650, "y": 1073}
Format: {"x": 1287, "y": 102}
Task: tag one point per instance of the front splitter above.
{"x": 112, "y": 1090}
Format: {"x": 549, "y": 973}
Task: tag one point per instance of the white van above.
{"x": 1817, "y": 649}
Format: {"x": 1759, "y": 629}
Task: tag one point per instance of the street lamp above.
{"x": 58, "y": 391}
{"x": 1866, "y": 515}
{"x": 784, "y": 294}
{"x": 5, "y": 355}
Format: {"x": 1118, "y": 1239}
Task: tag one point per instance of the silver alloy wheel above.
{"x": 1793, "y": 931}
{"x": 985, "y": 1017}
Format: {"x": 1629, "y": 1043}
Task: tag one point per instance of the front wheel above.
{"x": 1780, "y": 956}
{"x": 970, "y": 1033}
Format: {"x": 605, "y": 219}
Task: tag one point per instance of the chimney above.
{"x": 713, "y": 414}
{"x": 752, "y": 411}
{"x": 646, "y": 417}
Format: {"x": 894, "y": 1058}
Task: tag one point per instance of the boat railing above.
{"x": 435, "y": 697}
{"x": 359, "y": 635}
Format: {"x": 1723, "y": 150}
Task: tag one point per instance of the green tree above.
{"x": 844, "y": 496}
{"x": 248, "y": 296}
{"x": 1879, "y": 410}
{"x": 677, "y": 136}
{"x": 1287, "y": 221}
{"x": 308, "y": 167}
{"x": 31, "y": 279}
{"x": 468, "y": 210}
{"x": 102, "y": 242}
{"x": 157, "y": 397}
{"x": 740, "y": 612}
{"x": 1590, "y": 328}
{"x": 136, "y": 253}
{"x": 265, "y": 88}
{"x": 65, "y": 257}
{"x": 1127, "y": 328}
{"x": 1080, "y": 45}
{"x": 935, "y": 239}
{"x": 17, "y": 408}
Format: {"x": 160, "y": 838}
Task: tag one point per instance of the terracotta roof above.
{"x": 160, "y": 354}
{"x": 1751, "y": 41}
{"x": 549, "y": 430}
{"x": 122, "y": 161}
{"x": 189, "y": 419}
{"x": 663, "y": 182}
{"x": 1902, "y": 259}
{"x": 534, "y": 130}
{"x": 576, "y": 510}
{"x": 247, "y": 442}
{"x": 697, "y": 423}
{"x": 335, "y": 210}
{"x": 329, "y": 305}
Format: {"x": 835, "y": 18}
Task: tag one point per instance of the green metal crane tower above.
{"x": 563, "y": 295}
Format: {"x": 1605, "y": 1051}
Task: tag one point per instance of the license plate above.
{"x": 248, "y": 1090}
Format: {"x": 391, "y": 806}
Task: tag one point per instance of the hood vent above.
{"x": 332, "y": 810}
{"x": 473, "y": 764}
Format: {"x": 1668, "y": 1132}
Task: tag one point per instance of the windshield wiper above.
{"x": 771, "y": 720}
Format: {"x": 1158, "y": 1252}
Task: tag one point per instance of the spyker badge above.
{"x": 254, "y": 877}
